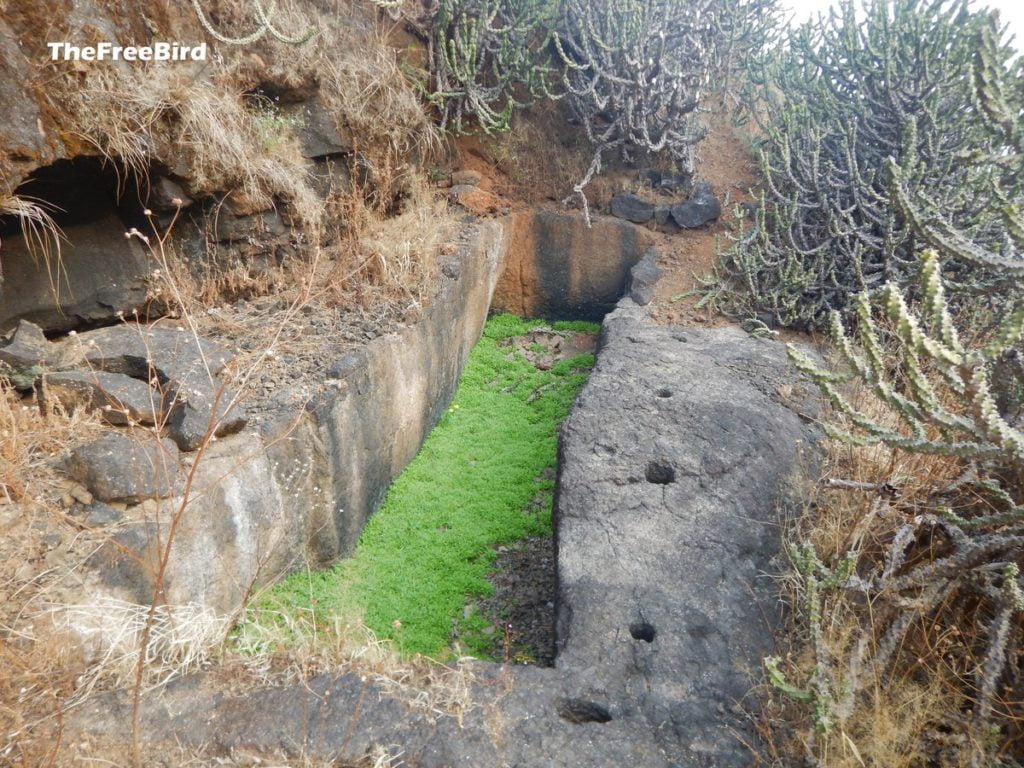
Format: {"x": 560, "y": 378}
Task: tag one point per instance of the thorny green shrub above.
{"x": 850, "y": 92}
{"x": 486, "y": 58}
{"x": 636, "y": 70}
{"x": 999, "y": 96}
{"x": 961, "y": 552}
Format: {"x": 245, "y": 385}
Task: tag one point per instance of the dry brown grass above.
{"x": 917, "y": 711}
{"x": 224, "y": 142}
{"x": 393, "y": 261}
{"x": 39, "y": 667}
{"x": 277, "y": 648}
{"x": 231, "y": 140}
{"x": 40, "y": 233}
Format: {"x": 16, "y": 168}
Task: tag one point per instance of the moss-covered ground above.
{"x": 474, "y": 486}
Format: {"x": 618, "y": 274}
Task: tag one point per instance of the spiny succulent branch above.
{"x": 938, "y": 390}
{"x": 933, "y": 392}
{"x": 265, "y": 19}
{"x": 635, "y": 70}
{"x": 849, "y": 92}
{"x": 996, "y": 248}
{"x": 392, "y": 8}
{"x": 487, "y": 60}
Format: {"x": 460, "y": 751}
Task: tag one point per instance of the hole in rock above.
{"x": 660, "y": 473}
{"x": 664, "y": 393}
{"x": 642, "y": 630}
{"x": 581, "y": 711}
{"x": 81, "y": 191}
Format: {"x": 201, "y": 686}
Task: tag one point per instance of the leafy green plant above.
{"x": 274, "y": 129}
{"x": 850, "y": 91}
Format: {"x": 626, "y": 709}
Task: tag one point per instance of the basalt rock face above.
{"x": 673, "y": 465}
{"x": 558, "y": 267}
{"x": 296, "y": 488}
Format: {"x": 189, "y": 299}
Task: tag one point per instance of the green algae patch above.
{"x": 484, "y": 478}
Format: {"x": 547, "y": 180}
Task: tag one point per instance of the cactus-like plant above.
{"x": 486, "y": 60}
{"x": 999, "y": 250}
{"x": 850, "y": 91}
{"x": 934, "y": 391}
{"x": 636, "y": 70}
{"x": 939, "y": 389}
{"x": 266, "y": 26}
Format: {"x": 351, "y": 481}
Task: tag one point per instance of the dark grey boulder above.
{"x": 233, "y": 228}
{"x": 167, "y": 196}
{"x": 632, "y": 208}
{"x": 185, "y": 367}
{"x": 128, "y": 562}
{"x": 701, "y": 208}
{"x": 199, "y": 411}
{"x": 121, "y": 399}
{"x": 674, "y": 183}
{"x": 141, "y": 352}
{"x": 643, "y": 278}
{"x": 663, "y": 220}
{"x": 319, "y": 132}
{"x": 129, "y": 468}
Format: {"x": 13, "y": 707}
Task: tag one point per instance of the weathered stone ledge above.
{"x": 298, "y": 489}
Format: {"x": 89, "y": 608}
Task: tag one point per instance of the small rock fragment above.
{"x": 701, "y": 208}
{"x": 643, "y": 278}
{"x": 26, "y": 354}
{"x": 128, "y": 468}
{"x": 632, "y": 208}
{"x": 474, "y": 199}
{"x": 121, "y": 399}
{"x": 97, "y": 514}
{"x": 467, "y": 178}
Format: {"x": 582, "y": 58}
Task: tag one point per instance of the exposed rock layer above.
{"x": 673, "y": 463}
{"x": 560, "y": 268}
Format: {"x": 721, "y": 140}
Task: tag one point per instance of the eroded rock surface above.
{"x": 558, "y": 267}
{"x": 120, "y": 467}
{"x": 673, "y": 463}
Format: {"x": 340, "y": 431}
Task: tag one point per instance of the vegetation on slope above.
{"x": 634, "y": 73}
{"x": 429, "y": 548}
{"x": 844, "y": 97}
{"x": 906, "y": 564}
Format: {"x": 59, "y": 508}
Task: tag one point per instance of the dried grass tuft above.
{"x": 918, "y": 708}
